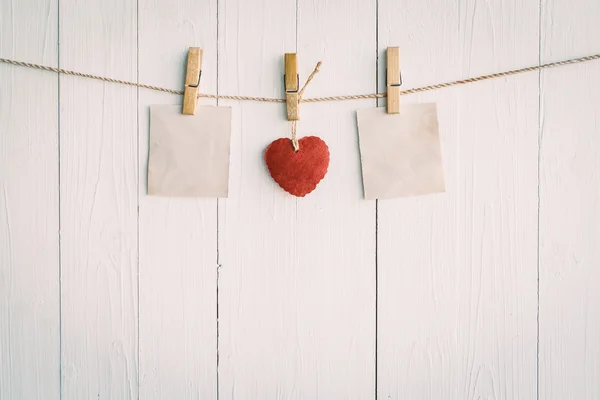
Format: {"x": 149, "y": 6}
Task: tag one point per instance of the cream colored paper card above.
{"x": 400, "y": 153}
{"x": 189, "y": 154}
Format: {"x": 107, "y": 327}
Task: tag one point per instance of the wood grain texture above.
{"x": 569, "y": 260}
{"x": 393, "y": 82}
{"x": 99, "y": 184}
{"x": 292, "y": 105}
{"x": 29, "y": 285}
{"x": 257, "y": 296}
{"x": 192, "y": 80}
{"x": 178, "y": 236}
{"x": 264, "y": 295}
{"x": 292, "y": 97}
{"x": 334, "y": 239}
{"x": 296, "y": 287}
{"x": 457, "y": 271}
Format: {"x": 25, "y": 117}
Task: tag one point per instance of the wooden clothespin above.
{"x": 394, "y": 80}
{"x": 192, "y": 80}
{"x": 291, "y": 86}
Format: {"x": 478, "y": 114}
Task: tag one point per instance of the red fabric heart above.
{"x": 298, "y": 173}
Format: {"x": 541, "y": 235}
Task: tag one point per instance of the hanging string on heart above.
{"x": 295, "y": 123}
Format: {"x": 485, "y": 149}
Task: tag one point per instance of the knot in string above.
{"x": 295, "y": 143}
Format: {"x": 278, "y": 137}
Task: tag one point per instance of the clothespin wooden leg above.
{"x": 192, "y": 80}
{"x": 394, "y": 80}
{"x": 291, "y": 86}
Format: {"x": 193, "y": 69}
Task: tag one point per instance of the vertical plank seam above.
{"x": 294, "y": 242}
{"x": 537, "y": 369}
{"x": 218, "y": 255}
{"x": 60, "y": 388}
{"x": 376, "y": 213}
{"x": 137, "y": 62}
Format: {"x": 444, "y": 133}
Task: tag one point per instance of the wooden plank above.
{"x": 457, "y": 276}
{"x": 569, "y": 227}
{"x": 178, "y": 237}
{"x": 290, "y": 63}
{"x": 297, "y": 281}
{"x": 257, "y": 340}
{"x": 292, "y": 105}
{"x": 334, "y": 239}
{"x": 292, "y": 97}
{"x": 393, "y": 80}
{"x": 192, "y": 80}
{"x": 99, "y": 184}
{"x": 29, "y": 282}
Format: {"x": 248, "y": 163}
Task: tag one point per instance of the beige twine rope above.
{"x": 295, "y": 143}
{"x": 300, "y": 93}
{"x": 309, "y": 100}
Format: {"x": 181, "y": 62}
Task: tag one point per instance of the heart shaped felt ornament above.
{"x": 298, "y": 172}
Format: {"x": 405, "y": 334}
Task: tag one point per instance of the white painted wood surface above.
{"x": 98, "y": 201}
{"x": 29, "y": 199}
{"x": 177, "y": 237}
{"x": 569, "y": 205}
{"x": 108, "y": 293}
{"x": 457, "y": 272}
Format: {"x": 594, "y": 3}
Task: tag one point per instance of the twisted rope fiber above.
{"x": 295, "y": 143}
{"x": 309, "y": 100}
{"x": 75, "y": 73}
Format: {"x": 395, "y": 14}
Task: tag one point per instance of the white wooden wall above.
{"x": 489, "y": 291}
